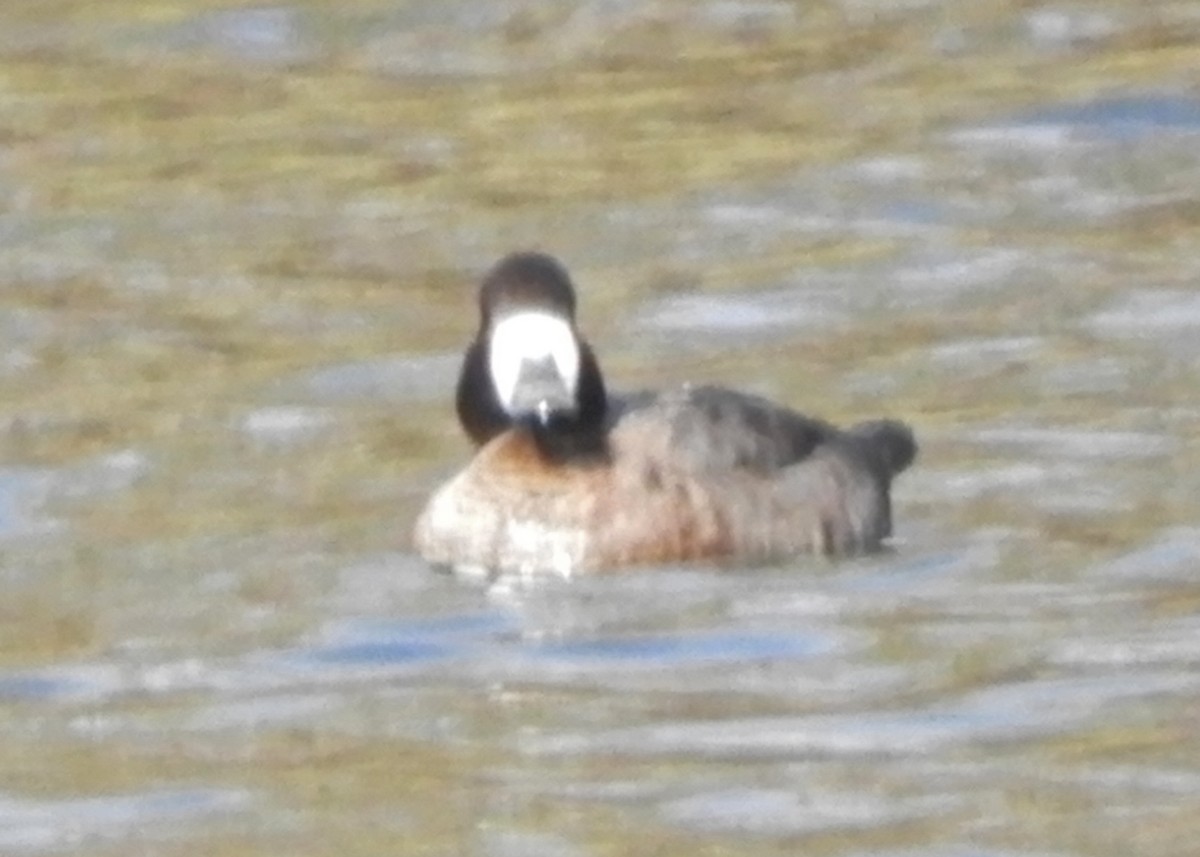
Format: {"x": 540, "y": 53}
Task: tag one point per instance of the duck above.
{"x": 569, "y": 478}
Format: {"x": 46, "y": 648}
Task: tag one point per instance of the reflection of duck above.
{"x": 569, "y": 478}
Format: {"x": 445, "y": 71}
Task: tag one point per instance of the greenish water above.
{"x": 238, "y": 246}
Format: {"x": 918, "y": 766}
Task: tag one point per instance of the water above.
{"x": 237, "y": 251}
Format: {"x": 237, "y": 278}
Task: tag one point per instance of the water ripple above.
{"x": 690, "y": 648}
{"x": 28, "y": 825}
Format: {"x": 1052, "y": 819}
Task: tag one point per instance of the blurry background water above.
{"x": 238, "y": 246}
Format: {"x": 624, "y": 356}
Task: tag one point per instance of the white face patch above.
{"x": 531, "y": 335}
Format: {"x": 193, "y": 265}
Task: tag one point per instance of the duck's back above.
{"x": 694, "y": 473}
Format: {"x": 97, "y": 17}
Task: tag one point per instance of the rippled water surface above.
{"x": 237, "y": 252}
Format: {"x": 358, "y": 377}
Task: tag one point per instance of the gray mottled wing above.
{"x": 714, "y": 429}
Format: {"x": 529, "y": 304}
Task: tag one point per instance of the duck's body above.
{"x": 568, "y": 479}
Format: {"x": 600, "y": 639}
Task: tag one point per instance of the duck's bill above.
{"x": 541, "y": 392}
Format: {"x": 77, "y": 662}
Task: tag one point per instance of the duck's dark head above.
{"x": 528, "y": 365}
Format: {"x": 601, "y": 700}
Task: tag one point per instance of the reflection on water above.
{"x": 237, "y": 244}
{"x": 668, "y": 651}
{"x": 32, "y": 687}
{"x": 30, "y": 826}
{"x": 20, "y": 490}
{"x": 1124, "y": 118}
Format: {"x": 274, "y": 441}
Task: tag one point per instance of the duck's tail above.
{"x": 890, "y": 441}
